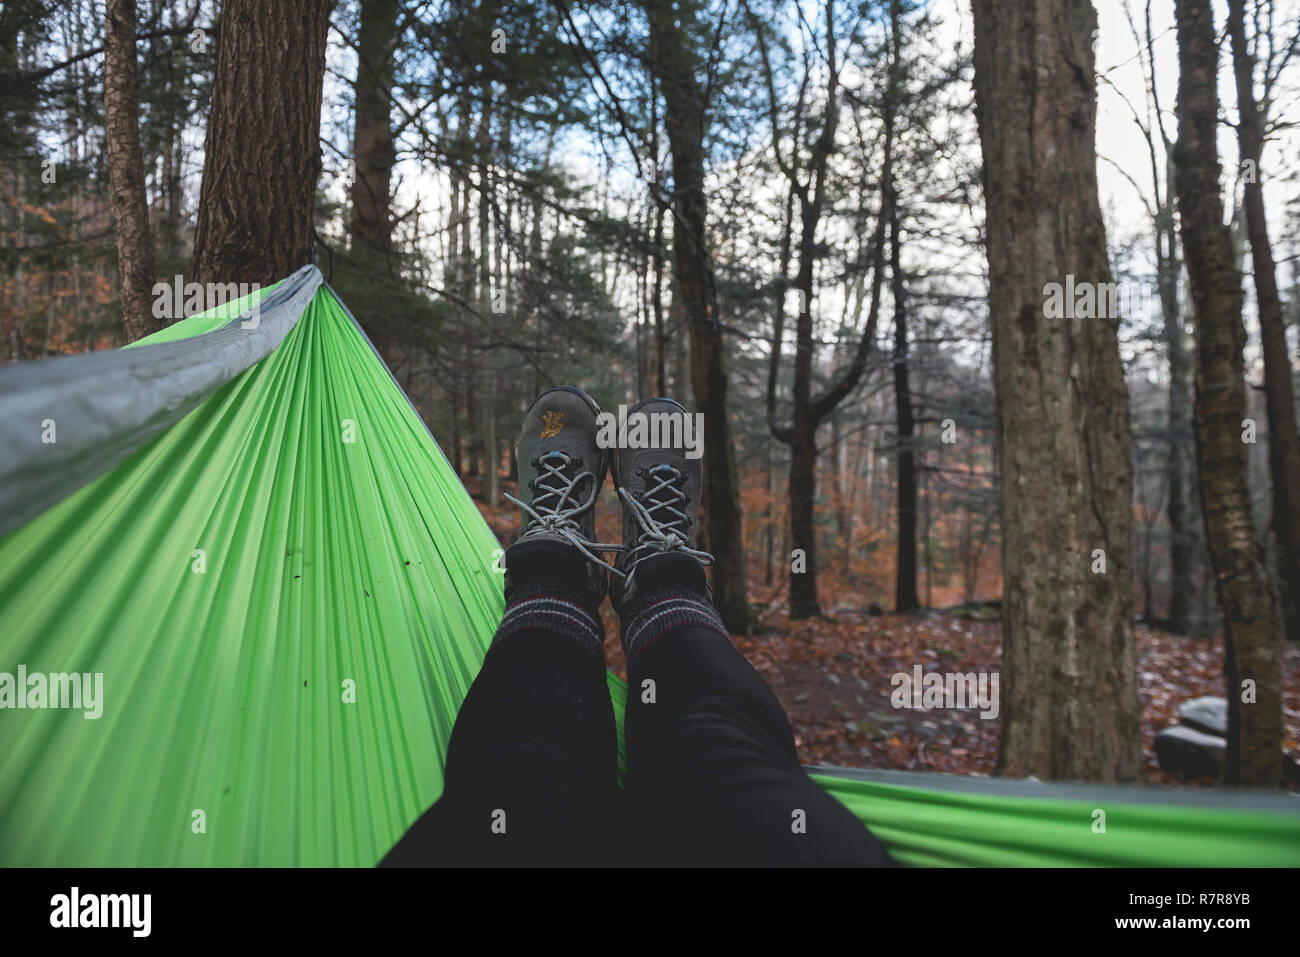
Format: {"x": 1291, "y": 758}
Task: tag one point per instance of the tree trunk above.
{"x": 1144, "y": 532}
{"x": 657, "y": 302}
{"x": 1186, "y": 606}
{"x": 925, "y": 537}
{"x": 173, "y": 195}
{"x": 262, "y": 154}
{"x": 491, "y": 453}
{"x": 491, "y": 462}
{"x": 1251, "y": 619}
{"x": 839, "y": 485}
{"x": 1070, "y": 702}
{"x": 802, "y": 493}
{"x": 675, "y": 70}
{"x": 1283, "y": 439}
{"x": 769, "y": 543}
{"x": 457, "y": 441}
{"x": 126, "y": 171}
{"x": 373, "y": 152}
{"x": 659, "y": 209}
{"x": 803, "y": 448}
{"x": 905, "y": 596}
{"x": 968, "y": 563}
{"x": 853, "y": 468}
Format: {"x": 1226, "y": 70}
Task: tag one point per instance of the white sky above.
{"x": 1118, "y": 138}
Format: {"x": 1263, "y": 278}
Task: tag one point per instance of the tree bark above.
{"x": 1070, "y": 702}
{"x": 1251, "y": 618}
{"x": 373, "y": 152}
{"x": 126, "y": 171}
{"x": 676, "y": 72}
{"x": 262, "y": 154}
{"x": 1283, "y": 439}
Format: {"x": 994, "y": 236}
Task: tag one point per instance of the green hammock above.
{"x": 249, "y": 532}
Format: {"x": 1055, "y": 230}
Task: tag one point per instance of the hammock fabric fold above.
{"x": 251, "y": 535}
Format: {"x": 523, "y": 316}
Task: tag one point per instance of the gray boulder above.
{"x": 1209, "y": 715}
{"x": 1191, "y": 753}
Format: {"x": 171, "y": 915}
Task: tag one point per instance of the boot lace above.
{"x": 665, "y": 527}
{"x": 555, "y": 508}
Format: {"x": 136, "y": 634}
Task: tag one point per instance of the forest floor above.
{"x": 833, "y": 676}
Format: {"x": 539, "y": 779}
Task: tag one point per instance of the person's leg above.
{"x": 531, "y": 765}
{"x": 713, "y": 776}
{"x": 532, "y": 762}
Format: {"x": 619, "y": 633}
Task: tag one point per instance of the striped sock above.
{"x": 556, "y": 608}
{"x": 657, "y": 612}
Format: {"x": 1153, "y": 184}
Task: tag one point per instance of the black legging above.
{"x": 713, "y": 776}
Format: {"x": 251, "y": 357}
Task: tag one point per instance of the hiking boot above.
{"x": 561, "y": 471}
{"x": 660, "y": 493}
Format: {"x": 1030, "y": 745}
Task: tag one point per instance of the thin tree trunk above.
{"x": 659, "y": 208}
{"x": 1186, "y": 545}
{"x": 1187, "y": 604}
{"x": 373, "y": 152}
{"x": 262, "y": 154}
{"x": 853, "y": 460}
{"x": 839, "y": 479}
{"x": 644, "y": 361}
{"x": 1144, "y": 532}
{"x": 172, "y": 196}
{"x": 925, "y": 537}
{"x": 457, "y": 441}
{"x": 905, "y": 596}
{"x": 968, "y": 568}
{"x": 126, "y": 171}
{"x": 1070, "y": 702}
{"x": 491, "y": 454}
{"x": 1251, "y": 618}
{"x": 171, "y": 112}
{"x": 769, "y": 545}
{"x": 657, "y": 304}
{"x": 1283, "y": 439}
{"x": 486, "y": 278}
